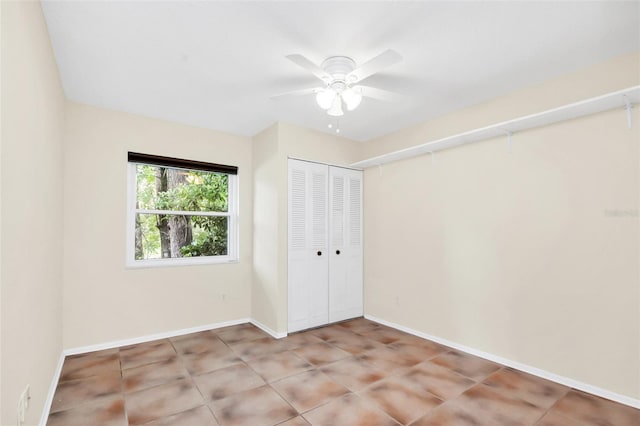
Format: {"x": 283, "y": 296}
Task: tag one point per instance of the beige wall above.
{"x": 271, "y": 150}
{"x": 518, "y": 254}
{"x": 103, "y": 300}
{"x": 31, "y": 224}
{"x": 265, "y": 292}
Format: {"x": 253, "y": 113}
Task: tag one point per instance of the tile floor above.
{"x": 353, "y": 373}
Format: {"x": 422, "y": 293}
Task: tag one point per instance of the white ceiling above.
{"x": 215, "y": 64}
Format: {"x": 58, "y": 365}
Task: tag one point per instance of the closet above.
{"x": 324, "y": 244}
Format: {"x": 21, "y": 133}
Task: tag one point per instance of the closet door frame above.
{"x": 316, "y": 240}
{"x": 308, "y": 261}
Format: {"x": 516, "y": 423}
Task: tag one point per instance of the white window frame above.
{"x": 232, "y": 223}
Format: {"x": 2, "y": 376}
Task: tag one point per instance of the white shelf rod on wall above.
{"x": 623, "y": 98}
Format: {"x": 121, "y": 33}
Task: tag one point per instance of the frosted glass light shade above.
{"x": 325, "y": 98}
{"x": 352, "y": 98}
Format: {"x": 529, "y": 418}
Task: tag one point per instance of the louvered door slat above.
{"x": 319, "y": 209}
{"x": 298, "y": 211}
{"x": 308, "y": 264}
{"x": 355, "y": 210}
{"x": 337, "y": 211}
{"x": 345, "y": 266}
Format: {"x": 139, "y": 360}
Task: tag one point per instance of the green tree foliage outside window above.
{"x": 180, "y": 235}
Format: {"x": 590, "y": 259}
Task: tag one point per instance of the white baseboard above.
{"x": 622, "y": 399}
{"x": 151, "y": 337}
{"x": 268, "y": 330}
{"x": 52, "y": 390}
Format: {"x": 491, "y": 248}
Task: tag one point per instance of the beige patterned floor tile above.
{"x": 418, "y": 341}
{"x": 296, "y": 421}
{"x": 468, "y": 365}
{"x": 412, "y": 354}
{"x": 404, "y": 403}
{"x": 450, "y": 414}
{"x": 498, "y": 409}
{"x": 149, "y": 375}
{"x": 297, "y": 340}
{"x": 392, "y": 374}
{"x": 146, "y": 353}
{"x": 199, "y": 416}
{"x": 353, "y": 373}
{"x": 259, "y": 347}
{"x": 204, "y": 342}
{"x": 72, "y": 393}
{"x": 206, "y": 362}
{"x": 308, "y": 390}
{"x": 103, "y": 411}
{"x": 226, "y": 381}
{"x": 592, "y": 410}
{"x": 552, "y": 418}
{"x": 355, "y": 344}
{"x": 277, "y": 366}
{"x": 241, "y": 334}
{"x": 321, "y": 353}
{"x": 162, "y": 401}
{"x": 535, "y": 390}
{"x": 385, "y": 359}
{"x": 384, "y": 335}
{"x": 349, "y": 410}
{"x": 90, "y": 364}
{"x": 256, "y": 407}
{"x": 359, "y": 325}
{"x": 331, "y": 333}
{"x": 439, "y": 381}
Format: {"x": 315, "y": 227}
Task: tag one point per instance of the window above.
{"x": 180, "y": 212}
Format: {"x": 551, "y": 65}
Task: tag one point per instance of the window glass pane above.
{"x": 170, "y": 236}
{"x": 166, "y": 188}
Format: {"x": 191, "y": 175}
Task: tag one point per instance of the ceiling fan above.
{"x": 340, "y": 77}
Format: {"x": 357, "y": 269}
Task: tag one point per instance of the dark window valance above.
{"x": 156, "y": 160}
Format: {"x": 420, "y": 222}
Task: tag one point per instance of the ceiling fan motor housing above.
{"x": 338, "y": 67}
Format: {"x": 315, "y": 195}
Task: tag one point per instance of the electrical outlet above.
{"x": 23, "y": 404}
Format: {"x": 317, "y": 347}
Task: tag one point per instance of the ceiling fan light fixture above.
{"x": 340, "y": 77}
{"x": 336, "y": 107}
{"x": 352, "y": 98}
{"x": 325, "y": 98}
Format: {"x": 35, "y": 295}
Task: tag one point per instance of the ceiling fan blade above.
{"x": 305, "y": 63}
{"x": 385, "y": 59}
{"x": 375, "y": 93}
{"x": 300, "y": 92}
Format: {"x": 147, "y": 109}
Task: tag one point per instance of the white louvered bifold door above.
{"x": 308, "y": 280}
{"x": 345, "y": 244}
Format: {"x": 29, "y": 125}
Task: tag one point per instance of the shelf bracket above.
{"x": 628, "y": 107}
{"x": 509, "y": 134}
